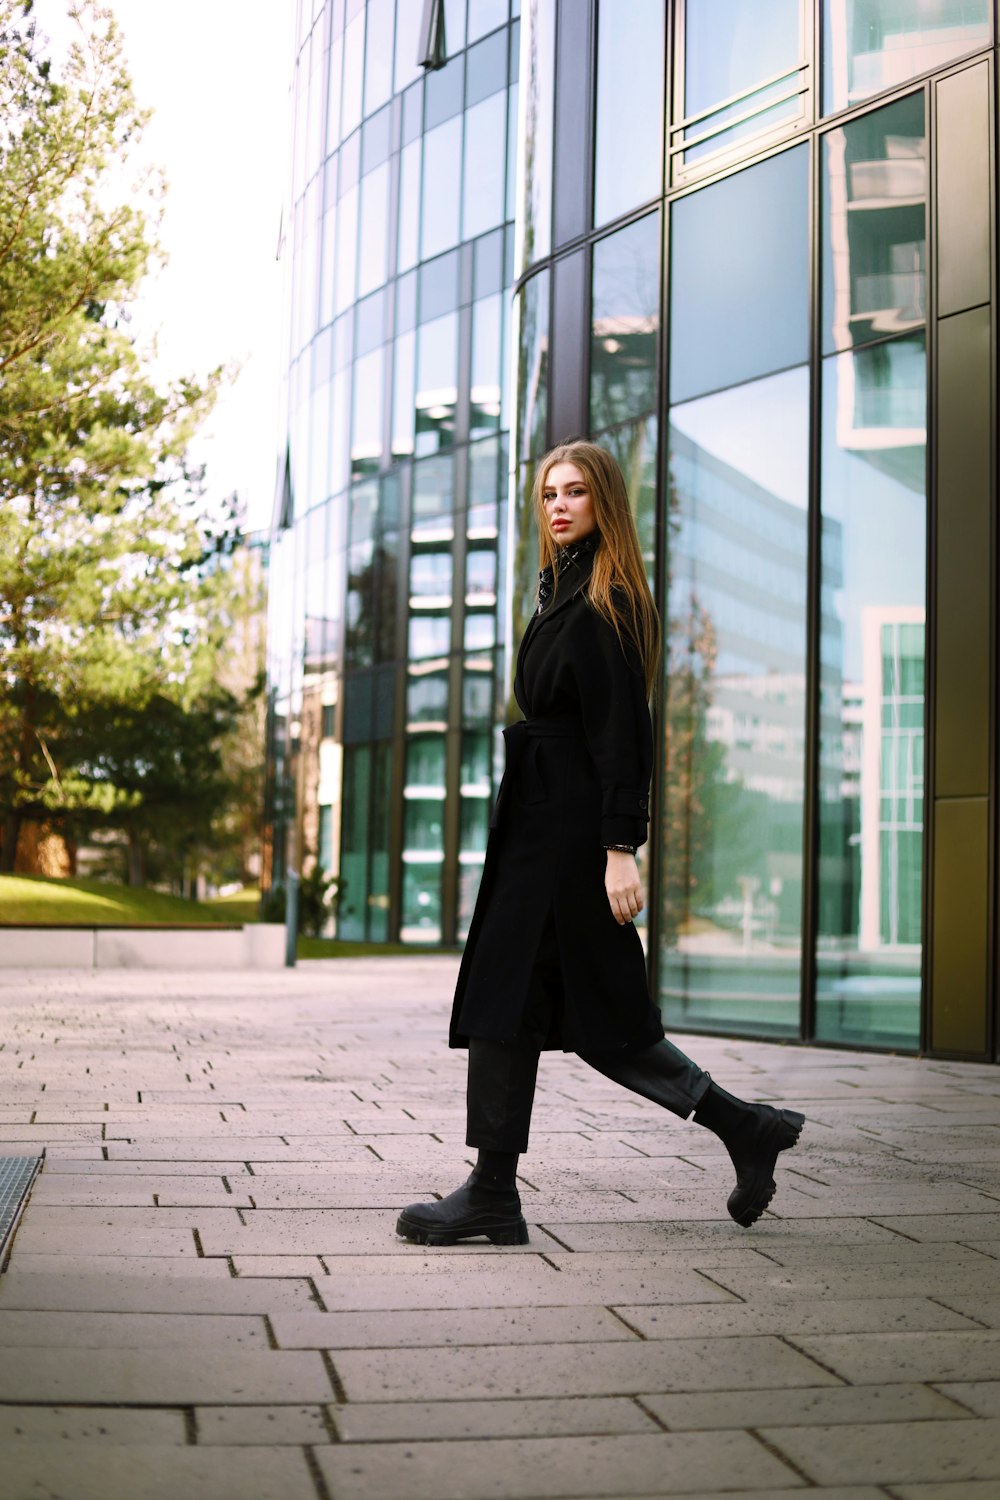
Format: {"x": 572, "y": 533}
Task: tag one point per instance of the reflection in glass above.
{"x": 378, "y": 55}
{"x": 374, "y": 224}
{"x": 403, "y": 395}
{"x": 409, "y": 206}
{"x": 634, "y": 446}
{"x": 484, "y": 16}
{"x": 437, "y": 384}
{"x": 423, "y": 838}
{"x": 430, "y": 580}
{"x": 629, "y": 106}
{"x": 408, "y": 21}
{"x": 481, "y": 577}
{"x": 354, "y": 48}
{"x": 534, "y": 218}
{"x": 740, "y": 300}
{"x": 442, "y": 184}
{"x": 485, "y": 394}
{"x": 347, "y": 248}
{"x": 870, "y": 45}
{"x": 875, "y": 225}
{"x": 477, "y": 692}
{"x": 533, "y": 366}
{"x": 626, "y": 321}
{"x": 366, "y": 442}
{"x": 484, "y": 166}
{"x": 872, "y": 694}
{"x": 734, "y": 707}
{"x": 353, "y": 889}
{"x": 484, "y": 486}
{"x": 429, "y": 636}
{"x": 427, "y": 700}
{"x": 745, "y": 49}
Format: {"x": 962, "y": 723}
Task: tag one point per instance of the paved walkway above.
{"x": 206, "y": 1297}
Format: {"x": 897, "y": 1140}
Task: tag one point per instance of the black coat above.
{"x": 576, "y": 779}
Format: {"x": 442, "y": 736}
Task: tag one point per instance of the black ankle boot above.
{"x": 753, "y": 1134}
{"x": 488, "y": 1203}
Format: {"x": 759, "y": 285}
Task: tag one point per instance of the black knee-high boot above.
{"x": 500, "y": 1096}
{"x": 753, "y": 1134}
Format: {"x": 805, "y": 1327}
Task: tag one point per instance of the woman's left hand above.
{"x": 624, "y": 888}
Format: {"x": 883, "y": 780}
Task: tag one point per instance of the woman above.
{"x": 552, "y": 958}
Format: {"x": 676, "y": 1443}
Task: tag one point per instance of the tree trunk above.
{"x": 135, "y": 860}
{"x": 8, "y": 849}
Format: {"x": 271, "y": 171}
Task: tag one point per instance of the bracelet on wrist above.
{"x": 621, "y": 848}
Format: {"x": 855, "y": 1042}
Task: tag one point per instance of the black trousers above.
{"x": 502, "y": 1075}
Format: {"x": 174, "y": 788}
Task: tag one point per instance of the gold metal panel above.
{"x": 963, "y": 189}
{"x": 960, "y": 968}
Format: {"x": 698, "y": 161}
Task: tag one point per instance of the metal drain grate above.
{"x": 17, "y": 1173}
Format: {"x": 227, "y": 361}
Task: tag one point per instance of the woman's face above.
{"x": 568, "y": 504}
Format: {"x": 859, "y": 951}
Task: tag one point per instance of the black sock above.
{"x": 496, "y": 1169}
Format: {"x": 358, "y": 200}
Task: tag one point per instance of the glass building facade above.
{"x": 749, "y": 245}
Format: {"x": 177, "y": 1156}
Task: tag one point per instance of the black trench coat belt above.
{"x": 520, "y": 764}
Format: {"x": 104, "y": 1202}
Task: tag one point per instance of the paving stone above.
{"x": 171, "y": 1377}
{"x": 860, "y": 1315}
{"x": 105, "y": 1263}
{"x": 983, "y": 1310}
{"x": 278, "y": 1265}
{"x": 56, "y": 1424}
{"x": 426, "y": 1329}
{"x": 86, "y": 1470}
{"x": 255, "y": 1426}
{"x": 890, "y": 1453}
{"x": 504, "y": 1287}
{"x": 609, "y": 1369}
{"x": 803, "y": 1407}
{"x": 924, "y": 1278}
{"x": 869, "y": 1359}
{"x": 660, "y": 1464}
{"x": 126, "y": 1293}
{"x": 980, "y": 1396}
{"x": 943, "y": 1225}
{"x": 413, "y": 1421}
{"x": 92, "y": 1330}
{"x": 960, "y": 1489}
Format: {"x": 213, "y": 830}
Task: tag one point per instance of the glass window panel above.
{"x": 408, "y": 21}
{"x": 343, "y": 341}
{"x": 444, "y": 91}
{"x": 634, "y": 446}
{"x": 871, "y": 784}
{"x": 484, "y": 490}
{"x": 370, "y": 324}
{"x": 875, "y": 225}
{"x": 430, "y": 580}
{"x": 442, "y": 183}
{"x": 484, "y": 16}
{"x": 427, "y": 700}
{"x": 533, "y": 365}
{"x": 409, "y": 207}
{"x": 438, "y": 286}
{"x": 437, "y": 383}
{"x": 378, "y": 54}
{"x": 626, "y": 321}
{"x": 534, "y": 219}
{"x": 480, "y": 632}
{"x": 333, "y": 95}
{"x": 870, "y": 45}
{"x": 421, "y": 915}
{"x": 406, "y": 303}
{"x": 510, "y": 193}
{"x": 486, "y": 69}
{"x": 485, "y": 393}
{"x": 454, "y": 25}
{"x": 339, "y": 444}
{"x": 349, "y": 170}
{"x": 375, "y": 140}
{"x": 403, "y": 395}
{"x": 378, "y": 884}
{"x": 629, "y": 106}
{"x": 353, "y": 889}
{"x": 366, "y": 442}
{"x": 488, "y": 270}
{"x": 484, "y": 166}
{"x": 481, "y": 576}
{"x": 347, "y": 248}
{"x": 413, "y": 112}
{"x": 430, "y": 636}
{"x": 729, "y": 47}
{"x": 354, "y": 48}
{"x": 740, "y": 301}
{"x": 425, "y": 763}
{"x": 433, "y": 499}
{"x": 374, "y": 224}
{"x": 734, "y": 707}
{"x": 477, "y": 693}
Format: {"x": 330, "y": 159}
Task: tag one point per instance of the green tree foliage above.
{"x": 116, "y": 596}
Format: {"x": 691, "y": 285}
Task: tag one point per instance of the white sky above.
{"x": 216, "y": 73}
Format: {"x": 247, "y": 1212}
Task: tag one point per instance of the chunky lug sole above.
{"x": 748, "y": 1200}
{"x": 508, "y": 1232}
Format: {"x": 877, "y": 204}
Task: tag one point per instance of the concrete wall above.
{"x": 256, "y": 946}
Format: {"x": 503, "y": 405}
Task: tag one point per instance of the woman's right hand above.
{"x": 624, "y": 888}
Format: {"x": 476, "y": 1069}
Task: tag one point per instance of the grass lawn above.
{"x": 37, "y": 899}
{"x": 244, "y": 906}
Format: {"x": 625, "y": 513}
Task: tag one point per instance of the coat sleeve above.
{"x": 617, "y": 728}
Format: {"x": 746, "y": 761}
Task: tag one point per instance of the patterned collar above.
{"x": 578, "y": 555}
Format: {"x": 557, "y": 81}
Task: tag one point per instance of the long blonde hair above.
{"x": 618, "y": 567}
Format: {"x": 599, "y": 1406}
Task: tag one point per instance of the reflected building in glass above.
{"x": 750, "y": 246}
